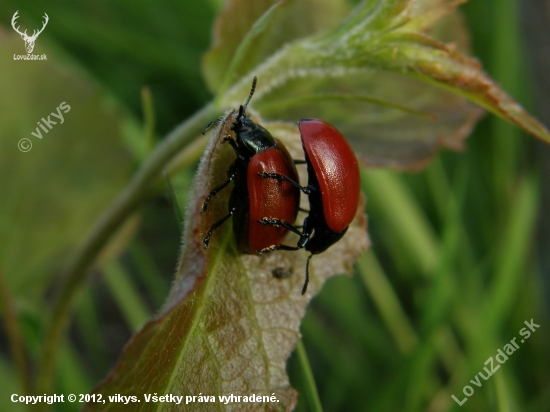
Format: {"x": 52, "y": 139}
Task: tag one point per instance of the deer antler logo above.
{"x": 29, "y": 40}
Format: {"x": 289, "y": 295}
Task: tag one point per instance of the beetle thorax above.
{"x": 251, "y": 136}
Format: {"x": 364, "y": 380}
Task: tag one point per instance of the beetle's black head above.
{"x": 252, "y": 136}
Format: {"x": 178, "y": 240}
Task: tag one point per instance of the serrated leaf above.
{"x": 229, "y": 324}
{"x": 236, "y": 21}
{"x": 382, "y": 76}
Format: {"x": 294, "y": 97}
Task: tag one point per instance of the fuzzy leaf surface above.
{"x": 229, "y": 324}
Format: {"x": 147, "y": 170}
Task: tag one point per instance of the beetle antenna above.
{"x": 251, "y": 93}
{"x": 306, "y": 282}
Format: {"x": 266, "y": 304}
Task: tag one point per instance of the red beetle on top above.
{"x": 333, "y": 189}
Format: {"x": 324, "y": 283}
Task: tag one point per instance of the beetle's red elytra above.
{"x": 269, "y": 198}
{"x": 336, "y": 170}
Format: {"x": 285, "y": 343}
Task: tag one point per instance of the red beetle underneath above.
{"x": 268, "y": 198}
{"x": 254, "y": 198}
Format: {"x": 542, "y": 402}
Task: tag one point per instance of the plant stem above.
{"x": 126, "y": 203}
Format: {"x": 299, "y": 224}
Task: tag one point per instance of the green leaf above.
{"x": 383, "y": 76}
{"x": 263, "y": 29}
{"x": 51, "y": 194}
{"x": 241, "y": 54}
{"x": 229, "y": 324}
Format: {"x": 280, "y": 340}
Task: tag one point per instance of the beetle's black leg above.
{"x": 306, "y": 281}
{"x": 231, "y": 173}
{"x": 301, "y": 209}
{"x": 277, "y": 176}
{"x": 285, "y": 247}
{"x": 233, "y": 144}
{"x": 274, "y": 248}
{"x": 299, "y": 162}
{"x": 279, "y": 223}
{"x": 304, "y": 234}
{"x": 216, "y": 225}
{"x": 307, "y": 230}
{"x": 209, "y": 125}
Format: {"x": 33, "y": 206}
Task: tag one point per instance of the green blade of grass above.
{"x": 176, "y": 208}
{"x": 387, "y": 302}
{"x": 88, "y": 325}
{"x": 148, "y": 272}
{"x": 125, "y": 294}
{"x": 73, "y": 377}
{"x": 148, "y": 118}
{"x": 394, "y": 203}
{"x": 312, "y": 394}
{"x": 512, "y": 255}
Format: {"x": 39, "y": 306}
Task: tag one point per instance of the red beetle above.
{"x": 333, "y": 189}
{"x": 265, "y": 198}
{"x": 253, "y": 198}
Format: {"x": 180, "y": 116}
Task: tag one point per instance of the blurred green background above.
{"x": 460, "y": 250}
